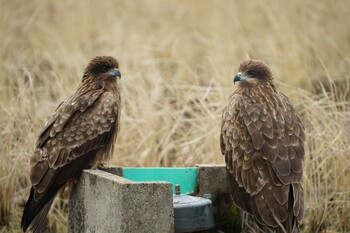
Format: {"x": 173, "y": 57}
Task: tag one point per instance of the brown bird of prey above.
{"x": 81, "y": 132}
{"x": 262, "y": 139}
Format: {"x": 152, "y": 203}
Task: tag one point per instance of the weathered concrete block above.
{"x": 212, "y": 179}
{"x": 103, "y": 202}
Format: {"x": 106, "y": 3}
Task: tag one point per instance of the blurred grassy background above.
{"x": 177, "y": 60}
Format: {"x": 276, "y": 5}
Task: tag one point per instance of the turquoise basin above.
{"x": 184, "y": 176}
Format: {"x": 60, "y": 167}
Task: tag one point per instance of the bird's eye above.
{"x": 251, "y": 72}
{"x": 104, "y": 68}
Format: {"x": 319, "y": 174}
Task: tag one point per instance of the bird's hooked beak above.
{"x": 239, "y": 77}
{"x": 115, "y": 72}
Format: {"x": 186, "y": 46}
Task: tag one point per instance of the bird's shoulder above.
{"x": 87, "y": 129}
{"x": 78, "y": 102}
{"x": 266, "y": 131}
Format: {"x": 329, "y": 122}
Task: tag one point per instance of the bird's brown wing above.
{"x": 83, "y": 131}
{"x": 79, "y": 102}
{"x": 263, "y": 148}
{"x": 82, "y": 125}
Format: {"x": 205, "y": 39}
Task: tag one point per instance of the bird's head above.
{"x": 102, "y": 68}
{"x": 253, "y": 72}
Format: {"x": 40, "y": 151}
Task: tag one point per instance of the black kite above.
{"x": 81, "y": 132}
{"x": 262, "y": 139}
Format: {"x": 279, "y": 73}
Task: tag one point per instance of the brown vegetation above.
{"x": 177, "y": 60}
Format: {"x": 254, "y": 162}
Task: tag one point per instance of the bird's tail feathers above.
{"x": 292, "y": 225}
{"x": 26, "y": 217}
{"x": 38, "y": 223}
{"x": 35, "y": 211}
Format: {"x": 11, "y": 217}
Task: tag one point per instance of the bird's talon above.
{"x": 101, "y": 166}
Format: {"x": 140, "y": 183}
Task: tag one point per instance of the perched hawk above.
{"x": 81, "y": 132}
{"x": 262, "y": 139}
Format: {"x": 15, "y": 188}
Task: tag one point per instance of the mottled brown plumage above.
{"x": 81, "y": 132}
{"x": 262, "y": 139}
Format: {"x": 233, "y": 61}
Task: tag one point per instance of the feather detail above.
{"x": 81, "y": 132}
{"x": 262, "y": 139}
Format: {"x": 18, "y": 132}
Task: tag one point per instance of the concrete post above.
{"x": 103, "y": 202}
{"x": 211, "y": 179}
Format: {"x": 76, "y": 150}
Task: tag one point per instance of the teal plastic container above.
{"x": 184, "y": 176}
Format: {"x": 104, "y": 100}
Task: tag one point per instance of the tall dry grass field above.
{"x": 177, "y": 60}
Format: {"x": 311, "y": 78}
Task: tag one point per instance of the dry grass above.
{"x": 177, "y": 59}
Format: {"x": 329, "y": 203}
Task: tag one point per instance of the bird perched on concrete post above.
{"x": 262, "y": 139}
{"x": 81, "y": 132}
